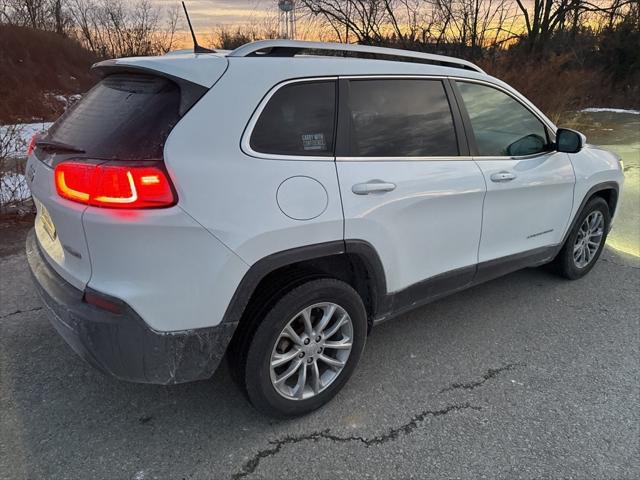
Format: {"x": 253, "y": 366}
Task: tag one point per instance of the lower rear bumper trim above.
{"x": 123, "y": 345}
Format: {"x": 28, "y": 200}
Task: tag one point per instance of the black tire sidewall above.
{"x": 261, "y": 392}
{"x": 567, "y": 263}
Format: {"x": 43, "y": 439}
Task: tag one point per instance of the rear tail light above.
{"x": 32, "y": 144}
{"x": 114, "y": 184}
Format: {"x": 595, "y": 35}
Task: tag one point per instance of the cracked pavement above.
{"x": 527, "y": 376}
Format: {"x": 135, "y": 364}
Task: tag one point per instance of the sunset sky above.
{"x": 208, "y": 13}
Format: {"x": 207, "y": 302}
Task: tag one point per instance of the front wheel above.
{"x": 586, "y": 241}
{"x": 306, "y": 348}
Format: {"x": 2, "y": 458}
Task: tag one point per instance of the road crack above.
{"x": 407, "y": 428}
{"x": 17, "y": 312}
{"x": 490, "y": 374}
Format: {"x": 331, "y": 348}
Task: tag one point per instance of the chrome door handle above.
{"x": 372, "y": 186}
{"x": 503, "y": 177}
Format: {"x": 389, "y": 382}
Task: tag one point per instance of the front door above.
{"x": 529, "y": 185}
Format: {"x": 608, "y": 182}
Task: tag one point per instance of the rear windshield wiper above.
{"x": 57, "y": 147}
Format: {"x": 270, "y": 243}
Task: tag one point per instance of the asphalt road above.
{"x": 528, "y": 376}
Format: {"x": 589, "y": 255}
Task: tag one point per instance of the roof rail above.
{"x": 290, "y": 48}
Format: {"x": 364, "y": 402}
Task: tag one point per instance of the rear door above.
{"x": 529, "y": 185}
{"x": 407, "y": 187}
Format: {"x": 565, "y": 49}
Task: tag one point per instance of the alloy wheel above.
{"x": 311, "y": 351}
{"x": 589, "y": 239}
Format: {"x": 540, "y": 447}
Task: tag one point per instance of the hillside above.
{"x": 35, "y": 67}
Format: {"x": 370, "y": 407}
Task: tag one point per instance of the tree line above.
{"x": 589, "y": 33}
{"x": 108, "y": 28}
{"x": 473, "y": 26}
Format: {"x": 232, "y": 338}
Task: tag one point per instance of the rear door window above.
{"x": 124, "y": 117}
{"x": 299, "y": 119}
{"x": 400, "y": 118}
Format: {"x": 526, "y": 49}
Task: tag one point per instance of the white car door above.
{"x": 405, "y": 188}
{"x": 529, "y": 185}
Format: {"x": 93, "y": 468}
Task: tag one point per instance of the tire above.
{"x": 300, "y": 393}
{"x": 568, "y": 266}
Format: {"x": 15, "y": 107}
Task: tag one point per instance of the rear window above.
{"x": 125, "y": 117}
{"x": 298, "y": 120}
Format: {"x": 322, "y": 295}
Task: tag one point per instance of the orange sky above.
{"x": 207, "y": 14}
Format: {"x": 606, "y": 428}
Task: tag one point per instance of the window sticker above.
{"x": 314, "y": 141}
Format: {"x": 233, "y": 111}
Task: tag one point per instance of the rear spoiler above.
{"x": 190, "y": 91}
{"x": 201, "y": 69}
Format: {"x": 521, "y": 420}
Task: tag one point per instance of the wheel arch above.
{"x": 609, "y": 191}
{"x": 610, "y": 195}
{"x": 355, "y": 262}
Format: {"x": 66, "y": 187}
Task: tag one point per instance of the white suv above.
{"x": 277, "y": 201}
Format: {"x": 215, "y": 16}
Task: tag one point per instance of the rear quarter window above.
{"x": 125, "y": 117}
{"x": 299, "y": 119}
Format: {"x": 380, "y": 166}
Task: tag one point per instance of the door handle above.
{"x": 503, "y": 177}
{"x": 372, "y": 186}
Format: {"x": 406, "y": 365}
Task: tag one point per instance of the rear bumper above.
{"x": 123, "y": 345}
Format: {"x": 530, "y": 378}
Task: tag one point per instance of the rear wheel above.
{"x": 586, "y": 241}
{"x": 305, "y": 349}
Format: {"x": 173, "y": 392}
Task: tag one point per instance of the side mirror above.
{"x": 569, "y": 141}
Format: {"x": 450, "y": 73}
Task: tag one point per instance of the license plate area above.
{"x": 45, "y": 219}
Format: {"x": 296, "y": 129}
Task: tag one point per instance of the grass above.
{"x": 555, "y": 88}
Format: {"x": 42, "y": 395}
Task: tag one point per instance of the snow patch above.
{"x": 612, "y": 110}
{"x": 13, "y": 187}
{"x": 17, "y": 146}
{"x": 65, "y": 100}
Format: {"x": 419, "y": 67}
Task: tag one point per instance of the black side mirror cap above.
{"x": 569, "y": 141}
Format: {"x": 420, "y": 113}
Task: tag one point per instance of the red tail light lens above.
{"x": 32, "y": 144}
{"x": 75, "y": 181}
{"x": 114, "y": 185}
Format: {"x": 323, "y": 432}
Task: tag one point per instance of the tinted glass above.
{"x": 123, "y": 117}
{"x": 298, "y": 120}
{"x": 502, "y": 125}
{"x": 400, "y": 118}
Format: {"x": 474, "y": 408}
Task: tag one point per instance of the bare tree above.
{"x": 473, "y": 25}
{"x": 51, "y": 15}
{"x": 542, "y": 18}
{"x": 114, "y": 28}
{"x": 464, "y": 26}
{"x": 359, "y": 20}
{"x": 14, "y": 192}
{"x": 30, "y": 13}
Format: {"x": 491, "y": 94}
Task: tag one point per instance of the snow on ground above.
{"x": 23, "y": 133}
{"x": 612, "y": 110}
{"x": 13, "y": 187}
{"x": 14, "y": 143}
{"x": 65, "y": 100}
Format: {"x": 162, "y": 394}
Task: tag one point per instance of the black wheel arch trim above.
{"x": 263, "y": 267}
{"x": 600, "y": 187}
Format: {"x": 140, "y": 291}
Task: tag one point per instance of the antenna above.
{"x": 196, "y": 48}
